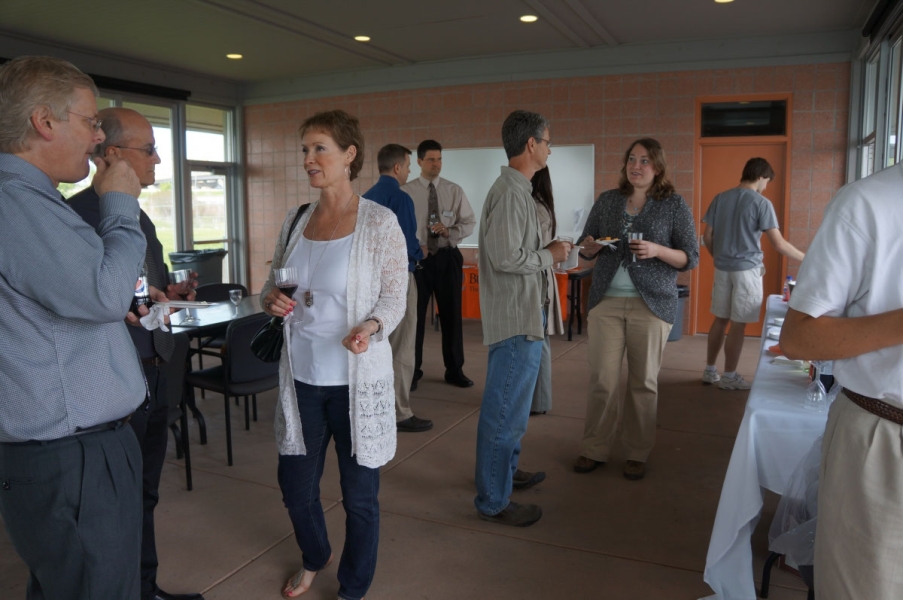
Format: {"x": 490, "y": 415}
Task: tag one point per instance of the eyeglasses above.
{"x": 548, "y": 142}
{"x": 149, "y": 150}
{"x": 94, "y": 122}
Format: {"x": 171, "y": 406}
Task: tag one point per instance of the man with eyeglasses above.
{"x": 444, "y": 218}
{"x": 513, "y": 302}
{"x": 130, "y": 137}
{"x": 70, "y": 476}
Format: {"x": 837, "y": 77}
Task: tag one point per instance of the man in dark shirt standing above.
{"x": 394, "y": 163}
{"x": 130, "y": 137}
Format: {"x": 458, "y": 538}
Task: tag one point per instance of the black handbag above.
{"x": 267, "y": 342}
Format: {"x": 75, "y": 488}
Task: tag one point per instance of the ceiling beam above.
{"x": 578, "y": 7}
{"x": 557, "y": 23}
{"x": 261, "y": 12}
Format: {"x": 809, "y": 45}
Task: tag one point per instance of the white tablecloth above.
{"x": 775, "y": 434}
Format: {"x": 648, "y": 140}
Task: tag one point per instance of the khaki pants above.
{"x": 859, "y": 536}
{"x": 402, "y": 342}
{"x": 614, "y": 326}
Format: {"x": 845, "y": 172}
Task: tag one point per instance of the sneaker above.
{"x": 524, "y": 480}
{"x": 414, "y": 424}
{"x": 734, "y": 383}
{"x": 584, "y": 464}
{"x": 515, "y": 515}
{"x": 710, "y": 377}
{"x": 634, "y": 470}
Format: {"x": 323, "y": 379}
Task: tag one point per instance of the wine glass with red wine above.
{"x": 287, "y": 280}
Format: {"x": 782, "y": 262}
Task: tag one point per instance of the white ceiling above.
{"x": 285, "y": 39}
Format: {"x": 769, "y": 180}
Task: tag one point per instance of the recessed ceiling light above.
{"x": 234, "y": 56}
{"x": 723, "y": 1}
{"x": 529, "y": 18}
{"x": 362, "y": 38}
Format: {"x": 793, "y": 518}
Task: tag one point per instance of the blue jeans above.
{"x": 510, "y": 380}
{"x": 324, "y": 414}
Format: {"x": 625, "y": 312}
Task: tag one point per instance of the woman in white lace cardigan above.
{"x": 335, "y": 372}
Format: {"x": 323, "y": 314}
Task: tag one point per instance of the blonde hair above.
{"x": 29, "y": 82}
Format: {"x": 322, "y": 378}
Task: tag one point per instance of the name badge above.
{"x": 448, "y": 213}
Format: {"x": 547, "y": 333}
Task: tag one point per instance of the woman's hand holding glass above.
{"x": 279, "y": 302}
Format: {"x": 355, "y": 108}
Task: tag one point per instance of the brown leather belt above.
{"x": 876, "y": 407}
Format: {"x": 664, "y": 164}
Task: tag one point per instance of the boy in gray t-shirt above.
{"x": 734, "y": 224}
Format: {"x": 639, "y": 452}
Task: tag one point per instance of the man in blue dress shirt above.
{"x": 394, "y": 163}
{"x": 70, "y": 470}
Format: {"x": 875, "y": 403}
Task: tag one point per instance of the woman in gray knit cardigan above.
{"x": 632, "y": 303}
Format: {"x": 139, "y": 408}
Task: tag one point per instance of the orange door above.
{"x": 721, "y": 168}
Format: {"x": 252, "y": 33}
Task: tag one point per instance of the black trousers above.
{"x": 151, "y": 427}
{"x": 72, "y": 508}
{"x": 441, "y": 276}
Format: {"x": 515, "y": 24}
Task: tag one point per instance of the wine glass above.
{"x": 287, "y": 280}
{"x": 634, "y": 236}
{"x": 235, "y": 298}
{"x": 182, "y": 278}
{"x": 816, "y": 398}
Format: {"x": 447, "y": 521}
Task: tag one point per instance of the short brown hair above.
{"x": 755, "y": 169}
{"x": 344, "y": 129}
{"x": 28, "y": 82}
{"x": 389, "y": 156}
{"x": 661, "y": 187}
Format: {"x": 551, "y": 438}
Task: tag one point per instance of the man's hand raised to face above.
{"x": 115, "y": 175}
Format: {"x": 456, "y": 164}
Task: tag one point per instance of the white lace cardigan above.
{"x": 377, "y": 286}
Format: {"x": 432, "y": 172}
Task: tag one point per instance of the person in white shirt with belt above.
{"x": 444, "y": 218}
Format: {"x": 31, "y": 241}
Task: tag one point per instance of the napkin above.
{"x": 155, "y": 318}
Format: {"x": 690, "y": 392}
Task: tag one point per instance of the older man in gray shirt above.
{"x": 513, "y": 304}
{"x": 70, "y": 471}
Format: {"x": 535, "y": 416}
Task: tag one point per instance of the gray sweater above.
{"x": 668, "y": 222}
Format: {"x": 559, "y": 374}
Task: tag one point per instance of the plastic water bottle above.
{"x": 786, "y": 291}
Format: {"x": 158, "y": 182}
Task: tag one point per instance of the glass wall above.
{"x": 193, "y": 200}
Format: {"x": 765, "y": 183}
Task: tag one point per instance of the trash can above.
{"x": 683, "y": 292}
{"x": 208, "y": 264}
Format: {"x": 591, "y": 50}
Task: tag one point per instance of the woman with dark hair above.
{"x": 335, "y": 372}
{"x": 545, "y": 213}
{"x": 632, "y": 303}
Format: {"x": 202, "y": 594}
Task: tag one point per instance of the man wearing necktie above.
{"x": 130, "y": 137}
{"x": 444, "y": 218}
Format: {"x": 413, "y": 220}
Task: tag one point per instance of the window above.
{"x": 893, "y": 107}
{"x": 726, "y": 119}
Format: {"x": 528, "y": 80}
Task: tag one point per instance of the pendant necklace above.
{"x": 309, "y": 295}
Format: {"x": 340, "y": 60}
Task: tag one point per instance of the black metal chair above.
{"x": 214, "y": 292}
{"x": 240, "y": 374}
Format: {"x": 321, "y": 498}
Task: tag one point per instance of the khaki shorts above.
{"x": 737, "y": 295}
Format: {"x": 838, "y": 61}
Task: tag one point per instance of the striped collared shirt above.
{"x": 66, "y": 358}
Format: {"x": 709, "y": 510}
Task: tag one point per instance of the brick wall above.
{"x": 607, "y": 111}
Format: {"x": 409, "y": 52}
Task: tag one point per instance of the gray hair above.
{"x": 518, "y": 128}
{"x": 29, "y": 82}
{"x": 112, "y": 129}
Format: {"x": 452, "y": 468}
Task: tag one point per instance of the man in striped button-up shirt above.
{"x": 512, "y": 304}
{"x": 70, "y": 471}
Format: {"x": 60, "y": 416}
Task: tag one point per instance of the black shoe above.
{"x": 414, "y": 424}
{"x": 414, "y": 385}
{"x": 459, "y": 380}
{"x": 524, "y": 480}
{"x": 161, "y": 595}
{"x": 515, "y": 515}
{"x": 533, "y": 413}
{"x": 418, "y": 375}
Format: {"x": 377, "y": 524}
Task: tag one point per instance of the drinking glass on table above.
{"x": 634, "y": 237}
{"x": 235, "y": 298}
{"x": 182, "y": 278}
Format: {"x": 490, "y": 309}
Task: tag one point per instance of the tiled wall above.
{"x": 607, "y": 111}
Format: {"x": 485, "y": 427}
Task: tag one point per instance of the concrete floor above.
{"x": 601, "y": 536}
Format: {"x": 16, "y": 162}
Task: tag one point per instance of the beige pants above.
{"x": 859, "y": 535}
{"x": 402, "y": 342}
{"x": 614, "y": 326}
